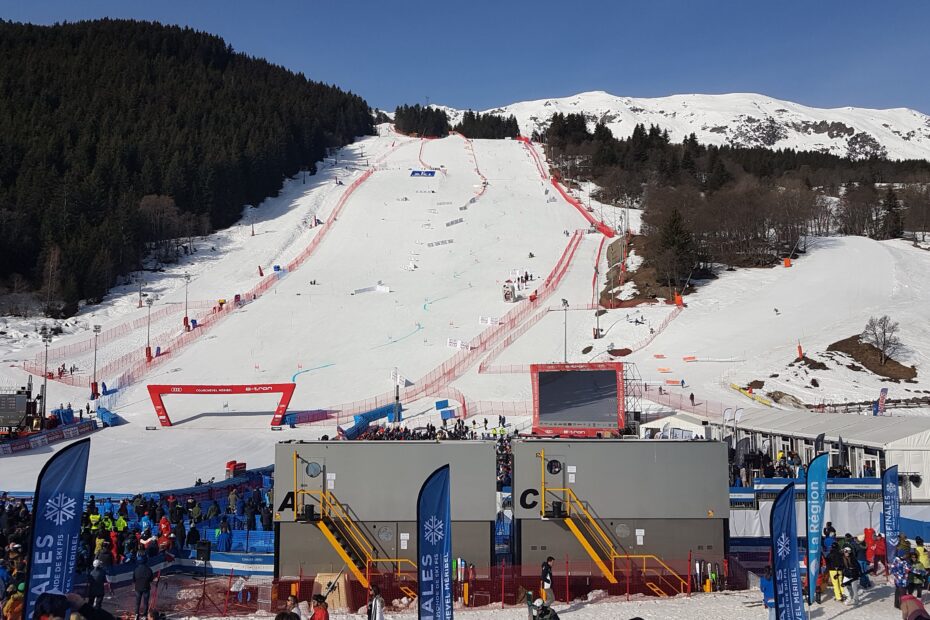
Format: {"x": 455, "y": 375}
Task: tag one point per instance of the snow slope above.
{"x": 339, "y": 346}
{"x": 742, "y": 119}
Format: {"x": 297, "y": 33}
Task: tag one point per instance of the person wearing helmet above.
{"x": 542, "y": 611}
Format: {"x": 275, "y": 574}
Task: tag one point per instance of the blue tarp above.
{"x": 375, "y": 414}
{"x": 108, "y": 418}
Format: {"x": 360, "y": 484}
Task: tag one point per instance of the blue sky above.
{"x": 481, "y": 54}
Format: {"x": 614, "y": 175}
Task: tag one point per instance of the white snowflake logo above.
{"x": 60, "y": 508}
{"x": 783, "y": 546}
{"x": 891, "y": 487}
{"x": 433, "y": 530}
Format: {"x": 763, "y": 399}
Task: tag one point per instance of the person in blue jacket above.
{"x": 768, "y": 592}
{"x": 224, "y": 540}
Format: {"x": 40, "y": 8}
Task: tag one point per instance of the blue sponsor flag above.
{"x": 434, "y": 547}
{"x": 891, "y": 511}
{"x": 816, "y": 502}
{"x": 789, "y": 593}
{"x": 56, "y": 523}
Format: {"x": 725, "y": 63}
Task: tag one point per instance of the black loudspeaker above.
{"x": 203, "y": 550}
{"x": 557, "y": 510}
{"x": 310, "y": 512}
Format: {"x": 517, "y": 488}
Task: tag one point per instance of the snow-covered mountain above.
{"x": 742, "y": 119}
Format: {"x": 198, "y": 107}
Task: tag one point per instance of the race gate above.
{"x": 285, "y": 389}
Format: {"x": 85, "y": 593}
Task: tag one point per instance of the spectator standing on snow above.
{"x": 96, "y": 581}
{"x": 142, "y": 583}
{"x": 375, "y": 604}
{"x": 851, "y": 575}
{"x": 545, "y": 579}
{"x": 900, "y": 573}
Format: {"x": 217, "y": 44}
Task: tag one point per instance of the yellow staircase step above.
{"x": 328, "y": 534}
{"x": 656, "y": 589}
{"x": 609, "y": 574}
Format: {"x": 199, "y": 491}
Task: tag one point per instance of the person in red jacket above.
{"x": 320, "y": 608}
{"x": 164, "y": 527}
{"x": 878, "y": 554}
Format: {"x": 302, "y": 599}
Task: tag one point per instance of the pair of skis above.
{"x": 707, "y": 576}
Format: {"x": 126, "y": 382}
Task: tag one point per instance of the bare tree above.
{"x": 883, "y": 335}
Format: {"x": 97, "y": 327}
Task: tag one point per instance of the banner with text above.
{"x": 891, "y": 511}
{"x": 789, "y": 593}
{"x": 816, "y": 503}
{"x": 56, "y": 523}
{"x": 434, "y": 547}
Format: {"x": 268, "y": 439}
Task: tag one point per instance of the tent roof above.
{"x": 861, "y": 430}
{"x": 678, "y": 420}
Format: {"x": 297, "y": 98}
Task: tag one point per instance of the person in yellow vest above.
{"x": 94, "y": 522}
{"x": 922, "y": 556}
{"x": 121, "y": 524}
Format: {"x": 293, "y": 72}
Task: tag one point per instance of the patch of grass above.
{"x": 869, "y": 356}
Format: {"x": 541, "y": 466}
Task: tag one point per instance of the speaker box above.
{"x": 203, "y": 550}
{"x": 310, "y": 512}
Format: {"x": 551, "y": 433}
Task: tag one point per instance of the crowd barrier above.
{"x": 682, "y": 402}
{"x": 186, "y": 588}
{"x": 44, "y": 438}
{"x": 597, "y": 270}
{"x": 117, "y": 331}
{"x": 528, "y": 145}
{"x": 505, "y": 585}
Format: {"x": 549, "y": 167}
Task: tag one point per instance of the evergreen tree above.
{"x": 892, "y": 226}
{"x": 95, "y": 115}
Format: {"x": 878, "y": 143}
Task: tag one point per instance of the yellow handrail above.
{"x": 351, "y": 527}
{"x": 397, "y": 561}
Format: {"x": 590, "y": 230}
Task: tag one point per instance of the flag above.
{"x": 434, "y": 547}
{"x": 818, "y": 443}
{"x": 56, "y": 523}
{"x": 891, "y": 511}
{"x": 816, "y": 503}
{"x": 881, "y": 401}
{"x": 789, "y": 593}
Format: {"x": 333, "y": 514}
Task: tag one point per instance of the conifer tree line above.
{"x": 116, "y": 136}
{"x": 423, "y": 121}
{"x": 487, "y": 126}
{"x": 428, "y": 122}
{"x": 706, "y": 205}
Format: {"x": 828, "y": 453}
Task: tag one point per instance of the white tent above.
{"x": 679, "y": 426}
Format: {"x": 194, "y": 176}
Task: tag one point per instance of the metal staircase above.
{"x": 658, "y": 577}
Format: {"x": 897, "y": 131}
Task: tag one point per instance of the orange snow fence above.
{"x": 659, "y": 356}
{"x": 689, "y": 358}
{"x": 664, "y": 369}
{"x": 672, "y": 382}
{"x": 678, "y": 300}
{"x": 787, "y": 262}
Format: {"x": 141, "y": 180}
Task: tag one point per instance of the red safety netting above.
{"x": 131, "y": 366}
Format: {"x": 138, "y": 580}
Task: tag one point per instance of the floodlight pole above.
{"x": 93, "y": 390}
{"x": 47, "y": 339}
{"x": 565, "y": 326}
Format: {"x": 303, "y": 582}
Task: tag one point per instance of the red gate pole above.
{"x": 689, "y": 573}
{"x": 226, "y": 598}
{"x": 502, "y": 583}
{"x": 567, "y": 597}
{"x": 628, "y": 573}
